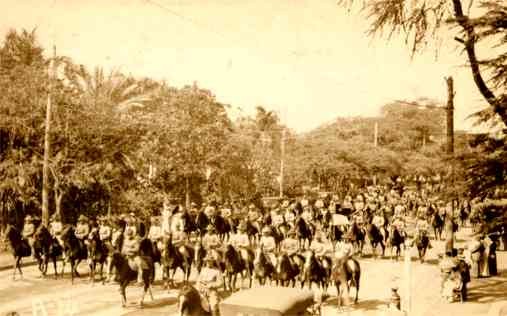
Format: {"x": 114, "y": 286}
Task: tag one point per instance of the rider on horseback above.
{"x": 268, "y": 243}
{"x": 180, "y": 238}
{"x": 209, "y": 281}
{"x": 131, "y": 251}
{"x": 290, "y": 244}
{"x": 55, "y": 228}
{"x": 241, "y": 240}
{"x": 155, "y": 233}
{"x": 319, "y": 246}
{"x": 344, "y": 250}
{"x": 29, "y": 231}
{"x": 82, "y": 229}
{"x": 212, "y": 243}
{"x": 105, "y": 231}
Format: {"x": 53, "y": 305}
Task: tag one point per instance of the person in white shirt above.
{"x": 319, "y": 246}
{"x": 155, "y": 233}
{"x": 269, "y": 245}
{"x": 209, "y": 281}
{"x": 290, "y": 244}
{"x": 212, "y": 243}
{"x": 241, "y": 241}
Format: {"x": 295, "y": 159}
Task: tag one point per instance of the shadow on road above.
{"x": 489, "y": 290}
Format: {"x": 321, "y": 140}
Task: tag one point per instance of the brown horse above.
{"x": 422, "y": 242}
{"x": 75, "y": 251}
{"x": 127, "y": 275}
{"x": 314, "y": 272}
{"x": 174, "y": 258}
{"x": 189, "y": 302}
{"x": 45, "y": 248}
{"x": 395, "y": 241}
{"x": 234, "y": 265}
{"x": 20, "y": 248}
{"x": 346, "y": 275}
{"x": 97, "y": 255}
{"x": 263, "y": 268}
{"x": 304, "y": 232}
{"x": 286, "y": 271}
{"x": 376, "y": 239}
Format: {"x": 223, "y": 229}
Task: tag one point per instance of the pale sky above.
{"x": 308, "y": 59}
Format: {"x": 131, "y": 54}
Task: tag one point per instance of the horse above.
{"x": 263, "y": 267}
{"x": 199, "y": 255}
{"x": 222, "y": 227}
{"x": 127, "y": 274}
{"x": 314, "y": 272}
{"x": 348, "y": 274}
{"x": 173, "y": 259}
{"x": 46, "y": 247}
{"x": 190, "y": 302}
{"x": 286, "y": 270}
{"x": 375, "y": 237}
{"x": 20, "y": 248}
{"x": 75, "y": 251}
{"x": 252, "y": 231}
{"x": 234, "y": 265}
{"x": 356, "y": 235}
{"x": 201, "y": 222}
{"x": 422, "y": 242}
{"x": 303, "y": 232}
{"x": 97, "y": 255}
{"x": 335, "y": 233}
{"x": 437, "y": 222}
{"x": 396, "y": 240}
{"x": 188, "y": 224}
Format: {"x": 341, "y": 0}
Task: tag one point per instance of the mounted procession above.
{"x": 301, "y": 244}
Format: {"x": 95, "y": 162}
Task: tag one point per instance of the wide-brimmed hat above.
{"x": 266, "y": 230}
{"x": 82, "y": 218}
{"x": 28, "y": 218}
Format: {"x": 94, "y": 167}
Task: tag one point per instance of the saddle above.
{"x": 144, "y": 263}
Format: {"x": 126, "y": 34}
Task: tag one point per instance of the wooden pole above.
{"x": 47, "y": 146}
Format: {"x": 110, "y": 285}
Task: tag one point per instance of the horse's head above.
{"x": 188, "y": 299}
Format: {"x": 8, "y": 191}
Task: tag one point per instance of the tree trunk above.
{"x": 187, "y": 192}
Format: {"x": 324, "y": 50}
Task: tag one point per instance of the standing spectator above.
{"x": 485, "y": 257}
{"x": 446, "y": 265}
{"x": 476, "y": 249}
{"x": 464, "y": 270}
{"x": 492, "y": 263}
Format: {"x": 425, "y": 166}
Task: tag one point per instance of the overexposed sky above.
{"x": 308, "y": 59}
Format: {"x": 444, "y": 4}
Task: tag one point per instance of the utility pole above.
{"x": 450, "y": 147}
{"x": 47, "y": 145}
{"x": 282, "y": 157}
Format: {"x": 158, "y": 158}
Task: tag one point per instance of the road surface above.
{"x": 35, "y": 293}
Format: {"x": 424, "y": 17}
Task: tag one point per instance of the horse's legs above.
{"x": 74, "y": 268}
{"x": 54, "y": 267}
{"x": 123, "y": 285}
{"x": 338, "y": 294}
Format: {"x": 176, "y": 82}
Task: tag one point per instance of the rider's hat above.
{"x": 319, "y": 203}
{"x": 266, "y": 230}
{"x": 28, "y": 218}
{"x": 55, "y": 216}
{"x": 154, "y": 220}
{"x": 82, "y": 218}
{"x": 251, "y": 206}
{"x": 209, "y": 259}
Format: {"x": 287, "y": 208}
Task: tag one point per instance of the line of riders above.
{"x": 292, "y": 234}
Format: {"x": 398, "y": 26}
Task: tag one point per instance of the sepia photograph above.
{"x": 253, "y": 157}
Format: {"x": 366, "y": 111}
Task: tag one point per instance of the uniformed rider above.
{"x": 105, "y": 230}
{"x": 155, "y": 233}
{"x": 212, "y": 243}
{"x": 241, "y": 241}
{"x": 319, "y": 246}
{"x": 29, "y": 230}
{"x": 209, "y": 281}
{"x": 290, "y": 244}
{"x": 55, "y": 228}
{"x": 82, "y": 228}
{"x": 268, "y": 243}
{"x": 131, "y": 250}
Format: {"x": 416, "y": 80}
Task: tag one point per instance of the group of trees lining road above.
{"x": 124, "y": 144}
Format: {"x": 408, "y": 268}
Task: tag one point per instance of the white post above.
{"x": 406, "y": 300}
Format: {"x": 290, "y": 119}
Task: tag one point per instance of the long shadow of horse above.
{"x": 488, "y": 290}
{"x": 366, "y": 305}
{"x": 150, "y": 308}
